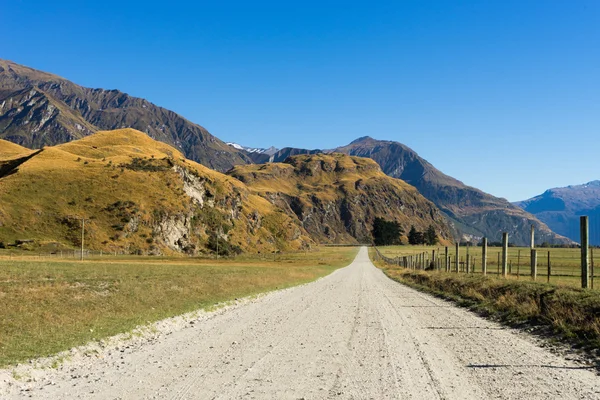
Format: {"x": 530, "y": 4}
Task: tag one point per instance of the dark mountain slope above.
{"x": 560, "y": 209}
{"x": 473, "y": 212}
{"x": 41, "y": 109}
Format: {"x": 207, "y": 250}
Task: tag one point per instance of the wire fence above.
{"x": 554, "y": 265}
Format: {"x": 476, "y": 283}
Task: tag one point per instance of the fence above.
{"x": 571, "y": 266}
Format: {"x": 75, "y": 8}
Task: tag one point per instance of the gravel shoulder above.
{"x": 354, "y": 334}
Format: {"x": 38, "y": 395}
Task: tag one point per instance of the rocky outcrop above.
{"x": 138, "y": 196}
{"x": 336, "y": 198}
{"x": 471, "y": 213}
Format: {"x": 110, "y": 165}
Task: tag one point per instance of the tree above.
{"x": 415, "y": 237}
{"x": 430, "y": 236}
{"x": 386, "y": 232}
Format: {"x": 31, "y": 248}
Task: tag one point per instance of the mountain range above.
{"x": 143, "y": 196}
{"x": 40, "y": 109}
{"x": 472, "y": 213}
{"x": 560, "y": 209}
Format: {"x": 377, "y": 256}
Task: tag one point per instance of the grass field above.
{"x": 50, "y": 305}
{"x": 565, "y": 263}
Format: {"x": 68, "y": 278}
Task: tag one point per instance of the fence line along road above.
{"x": 564, "y": 265}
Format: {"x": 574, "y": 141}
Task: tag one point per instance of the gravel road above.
{"x": 354, "y": 334}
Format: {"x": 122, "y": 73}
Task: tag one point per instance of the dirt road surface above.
{"x": 354, "y": 334}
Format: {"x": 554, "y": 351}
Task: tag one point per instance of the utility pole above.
{"x": 82, "y": 236}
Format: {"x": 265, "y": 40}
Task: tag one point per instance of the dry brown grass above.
{"x": 87, "y": 177}
{"x": 52, "y": 305}
{"x": 9, "y": 150}
{"x": 565, "y": 262}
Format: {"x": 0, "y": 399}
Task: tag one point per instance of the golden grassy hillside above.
{"x": 336, "y": 197}
{"x": 137, "y": 195}
{"x": 10, "y": 150}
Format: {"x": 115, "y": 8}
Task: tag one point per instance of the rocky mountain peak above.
{"x": 362, "y": 139}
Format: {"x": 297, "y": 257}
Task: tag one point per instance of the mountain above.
{"x": 138, "y": 195}
{"x": 40, "y": 109}
{"x": 472, "y": 213}
{"x": 270, "y": 151}
{"x": 560, "y": 209}
{"x": 336, "y": 198}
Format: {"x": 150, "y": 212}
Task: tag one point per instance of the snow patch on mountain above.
{"x": 270, "y": 151}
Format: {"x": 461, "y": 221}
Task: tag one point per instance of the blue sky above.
{"x": 503, "y": 95}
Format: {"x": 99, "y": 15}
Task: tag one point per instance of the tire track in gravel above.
{"x": 354, "y": 334}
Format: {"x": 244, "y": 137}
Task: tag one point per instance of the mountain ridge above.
{"x": 561, "y": 207}
{"x": 39, "y": 108}
{"x": 473, "y": 213}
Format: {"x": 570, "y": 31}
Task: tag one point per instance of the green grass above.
{"x": 52, "y": 305}
{"x": 564, "y": 311}
{"x": 565, "y": 263}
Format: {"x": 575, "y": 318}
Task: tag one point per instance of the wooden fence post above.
{"x": 456, "y": 256}
{"x": 585, "y": 261}
{"x": 504, "y": 253}
{"x": 498, "y": 266}
{"x": 467, "y": 261}
{"x": 549, "y": 267}
{"x": 484, "y": 256}
{"x": 447, "y": 260}
{"x": 532, "y": 237}
{"x": 533, "y": 264}
{"x": 592, "y": 262}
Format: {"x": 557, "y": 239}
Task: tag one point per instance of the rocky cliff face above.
{"x": 39, "y": 109}
{"x": 138, "y": 196}
{"x": 336, "y": 198}
{"x": 471, "y": 213}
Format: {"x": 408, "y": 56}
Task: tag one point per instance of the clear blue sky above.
{"x": 503, "y": 95}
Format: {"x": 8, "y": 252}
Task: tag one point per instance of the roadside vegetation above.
{"x": 560, "y": 310}
{"x": 50, "y": 305}
{"x": 565, "y": 262}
